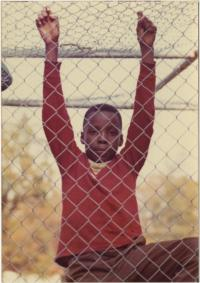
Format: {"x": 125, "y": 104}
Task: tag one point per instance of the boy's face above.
{"x": 102, "y": 135}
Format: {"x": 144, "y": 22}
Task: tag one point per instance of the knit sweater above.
{"x": 99, "y": 211}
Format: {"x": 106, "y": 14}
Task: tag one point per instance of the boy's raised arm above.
{"x": 141, "y": 126}
{"x": 56, "y": 120}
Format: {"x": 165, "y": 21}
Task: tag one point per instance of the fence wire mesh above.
{"x": 100, "y": 64}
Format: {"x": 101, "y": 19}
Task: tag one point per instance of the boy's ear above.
{"x": 121, "y": 140}
{"x": 82, "y": 138}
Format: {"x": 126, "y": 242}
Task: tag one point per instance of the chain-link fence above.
{"x": 100, "y": 64}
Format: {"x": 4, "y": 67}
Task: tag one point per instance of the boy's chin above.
{"x": 100, "y": 158}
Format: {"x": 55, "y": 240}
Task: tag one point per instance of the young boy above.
{"x": 101, "y": 237}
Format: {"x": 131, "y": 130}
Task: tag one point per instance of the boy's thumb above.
{"x": 140, "y": 15}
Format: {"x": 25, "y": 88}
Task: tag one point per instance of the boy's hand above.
{"x": 146, "y": 34}
{"x": 146, "y": 31}
{"x": 48, "y": 26}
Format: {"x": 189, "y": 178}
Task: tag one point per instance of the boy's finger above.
{"x": 50, "y": 14}
{"x": 139, "y": 28}
{"x": 146, "y": 23}
{"x": 140, "y": 15}
{"x": 38, "y": 23}
{"x": 41, "y": 18}
{"x": 44, "y": 17}
{"x": 44, "y": 13}
{"x": 152, "y": 29}
{"x": 48, "y": 10}
{"x": 53, "y": 17}
{"x": 142, "y": 22}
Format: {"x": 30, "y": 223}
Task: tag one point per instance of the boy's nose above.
{"x": 102, "y": 138}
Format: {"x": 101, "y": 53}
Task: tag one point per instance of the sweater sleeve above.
{"x": 141, "y": 125}
{"x": 56, "y": 121}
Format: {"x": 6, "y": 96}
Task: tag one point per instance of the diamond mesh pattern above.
{"x": 99, "y": 65}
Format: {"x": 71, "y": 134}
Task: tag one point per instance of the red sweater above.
{"x": 99, "y": 212}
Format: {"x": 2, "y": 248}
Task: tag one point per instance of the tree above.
{"x": 169, "y": 208}
{"x": 30, "y": 205}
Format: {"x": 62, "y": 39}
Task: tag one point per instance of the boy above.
{"x": 101, "y": 237}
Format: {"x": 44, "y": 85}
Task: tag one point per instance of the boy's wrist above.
{"x": 51, "y": 44}
{"x": 147, "y": 53}
{"x": 51, "y": 51}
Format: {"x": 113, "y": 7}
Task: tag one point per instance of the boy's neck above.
{"x": 99, "y": 162}
{"x": 96, "y": 167}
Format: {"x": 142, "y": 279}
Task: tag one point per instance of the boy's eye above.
{"x": 92, "y": 131}
{"x": 113, "y": 132}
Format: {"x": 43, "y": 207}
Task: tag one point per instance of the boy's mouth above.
{"x": 100, "y": 150}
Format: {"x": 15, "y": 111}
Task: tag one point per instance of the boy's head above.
{"x": 102, "y": 134}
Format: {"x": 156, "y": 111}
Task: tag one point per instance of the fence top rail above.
{"x": 84, "y": 52}
{"x": 87, "y": 104}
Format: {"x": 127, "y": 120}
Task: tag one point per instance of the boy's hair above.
{"x": 102, "y": 107}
